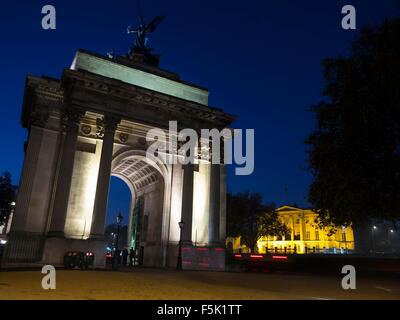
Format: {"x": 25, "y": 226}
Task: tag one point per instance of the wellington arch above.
{"x": 91, "y": 124}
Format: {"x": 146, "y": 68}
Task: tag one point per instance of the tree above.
{"x": 249, "y": 219}
{"x": 7, "y": 196}
{"x": 354, "y": 153}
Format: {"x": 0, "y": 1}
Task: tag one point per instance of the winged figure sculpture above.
{"x": 143, "y": 30}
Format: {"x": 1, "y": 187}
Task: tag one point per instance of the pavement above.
{"x": 143, "y": 283}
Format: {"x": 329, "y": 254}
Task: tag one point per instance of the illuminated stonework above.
{"x": 110, "y": 69}
{"x": 201, "y": 204}
{"x": 305, "y": 236}
{"x": 92, "y": 125}
{"x": 83, "y": 191}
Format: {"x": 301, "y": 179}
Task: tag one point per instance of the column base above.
{"x": 97, "y": 237}
{"x": 54, "y": 250}
{"x": 55, "y": 234}
{"x": 187, "y": 243}
{"x": 216, "y": 244}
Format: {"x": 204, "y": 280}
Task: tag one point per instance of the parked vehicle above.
{"x": 82, "y": 260}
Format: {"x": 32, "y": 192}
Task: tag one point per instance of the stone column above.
{"x": 301, "y": 227}
{"x": 187, "y": 203}
{"x": 103, "y": 179}
{"x": 61, "y": 197}
{"x": 131, "y": 213}
{"x": 222, "y": 210}
{"x": 27, "y": 178}
{"x": 293, "y": 226}
{"x": 214, "y": 215}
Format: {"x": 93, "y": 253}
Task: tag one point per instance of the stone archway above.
{"x": 92, "y": 123}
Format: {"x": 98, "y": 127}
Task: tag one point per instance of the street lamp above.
{"x": 10, "y": 218}
{"x": 115, "y": 260}
{"x": 179, "y": 264}
{"x": 390, "y": 231}
{"x": 373, "y": 239}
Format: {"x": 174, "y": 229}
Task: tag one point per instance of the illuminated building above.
{"x": 305, "y": 236}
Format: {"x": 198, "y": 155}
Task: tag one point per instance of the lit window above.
{"x": 317, "y": 235}
{"x": 307, "y": 235}
{"x": 297, "y": 220}
{"x": 343, "y": 236}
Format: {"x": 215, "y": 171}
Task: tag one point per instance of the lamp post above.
{"x": 8, "y": 225}
{"x": 179, "y": 264}
{"x": 115, "y": 260}
{"x": 390, "y": 231}
{"x": 113, "y": 241}
{"x": 373, "y": 239}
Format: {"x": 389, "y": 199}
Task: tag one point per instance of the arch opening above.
{"x": 120, "y": 199}
{"x": 144, "y": 218}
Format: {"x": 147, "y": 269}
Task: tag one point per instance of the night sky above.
{"x": 261, "y": 61}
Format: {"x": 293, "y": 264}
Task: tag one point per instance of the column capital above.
{"x": 107, "y": 124}
{"x": 188, "y": 167}
{"x": 39, "y": 118}
{"x": 75, "y": 116}
{"x": 111, "y": 123}
{"x": 71, "y": 116}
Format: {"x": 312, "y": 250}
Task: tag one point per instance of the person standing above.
{"x": 124, "y": 257}
{"x": 132, "y": 257}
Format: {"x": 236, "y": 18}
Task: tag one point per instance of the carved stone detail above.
{"x": 107, "y": 124}
{"x": 123, "y": 137}
{"x": 71, "y": 116}
{"x": 86, "y": 129}
{"x": 142, "y": 141}
{"x": 111, "y": 123}
{"x": 75, "y": 115}
{"x": 138, "y": 96}
{"x": 100, "y": 128}
{"x": 39, "y": 119}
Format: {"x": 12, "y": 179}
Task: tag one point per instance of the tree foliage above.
{"x": 7, "y": 196}
{"x": 354, "y": 153}
{"x": 250, "y": 219}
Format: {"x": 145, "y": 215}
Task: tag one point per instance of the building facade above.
{"x": 305, "y": 236}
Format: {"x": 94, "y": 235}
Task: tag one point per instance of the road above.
{"x": 141, "y": 283}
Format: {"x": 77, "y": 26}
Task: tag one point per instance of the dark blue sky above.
{"x": 261, "y": 61}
